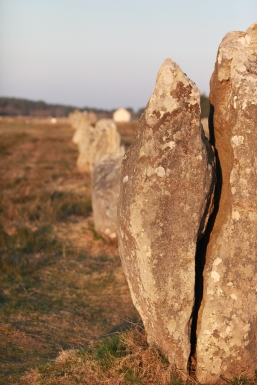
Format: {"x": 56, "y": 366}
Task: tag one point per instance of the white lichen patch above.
{"x": 215, "y": 276}
{"x": 125, "y": 179}
{"x": 237, "y": 140}
{"x": 235, "y": 98}
{"x": 217, "y": 261}
{"x": 242, "y": 68}
{"x": 172, "y": 326}
{"x": 235, "y": 215}
{"x": 247, "y": 327}
{"x": 170, "y": 145}
{"x": 252, "y": 216}
{"x": 159, "y": 171}
{"x": 233, "y": 296}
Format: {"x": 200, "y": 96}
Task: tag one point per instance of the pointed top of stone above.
{"x": 171, "y": 83}
{"x": 251, "y": 33}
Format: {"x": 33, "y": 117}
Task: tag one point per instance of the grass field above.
{"x": 66, "y": 315}
{"x": 61, "y": 286}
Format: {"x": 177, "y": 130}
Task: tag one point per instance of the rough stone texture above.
{"x": 105, "y": 194}
{"x": 165, "y": 201}
{"x": 95, "y": 142}
{"x": 227, "y": 325}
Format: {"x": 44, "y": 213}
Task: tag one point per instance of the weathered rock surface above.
{"x": 95, "y": 142}
{"x": 165, "y": 201}
{"x": 105, "y": 194}
{"x": 227, "y": 325}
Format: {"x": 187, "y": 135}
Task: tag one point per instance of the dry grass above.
{"x": 62, "y": 288}
{"x": 60, "y": 284}
{"x": 121, "y": 359}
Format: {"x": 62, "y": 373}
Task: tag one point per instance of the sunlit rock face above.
{"x": 105, "y": 194}
{"x": 167, "y": 183}
{"x": 227, "y": 325}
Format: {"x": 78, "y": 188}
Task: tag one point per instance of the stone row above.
{"x": 188, "y": 216}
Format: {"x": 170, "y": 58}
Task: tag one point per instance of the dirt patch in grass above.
{"x": 61, "y": 286}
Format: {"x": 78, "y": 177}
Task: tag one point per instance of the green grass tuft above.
{"x": 97, "y": 237}
{"x": 108, "y": 350}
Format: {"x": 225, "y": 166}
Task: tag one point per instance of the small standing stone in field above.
{"x": 81, "y": 122}
{"x": 94, "y": 139}
{"x": 78, "y": 119}
{"x": 167, "y": 184}
{"x": 227, "y": 327}
{"x": 105, "y": 194}
{"x": 98, "y": 141}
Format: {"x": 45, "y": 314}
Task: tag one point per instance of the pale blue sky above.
{"x": 106, "y": 53}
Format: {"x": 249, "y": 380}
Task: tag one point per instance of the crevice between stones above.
{"x": 200, "y": 255}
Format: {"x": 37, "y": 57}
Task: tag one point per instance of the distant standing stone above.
{"x": 95, "y": 142}
{"x": 78, "y": 118}
{"x": 227, "y": 330}
{"x": 105, "y": 194}
{"x": 166, "y": 195}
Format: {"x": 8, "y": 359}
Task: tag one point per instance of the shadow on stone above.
{"x": 200, "y": 255}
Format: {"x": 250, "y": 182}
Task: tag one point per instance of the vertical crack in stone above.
{"x": 200, "y": 255}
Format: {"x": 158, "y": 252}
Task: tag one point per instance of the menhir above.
{"x": 227, "y": 329}
{"x": 167, "y": 184}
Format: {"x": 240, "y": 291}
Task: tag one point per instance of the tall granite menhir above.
{"x": 227, "y": 330}
{"x": 165, "y": 201}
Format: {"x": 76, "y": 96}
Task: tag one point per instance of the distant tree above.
{"x": 205, "y": 106}
{"x": 130, "y": 109}
{"x": 15, "y": 106}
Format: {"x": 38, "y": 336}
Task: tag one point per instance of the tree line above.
{"x": 25, "y": 107}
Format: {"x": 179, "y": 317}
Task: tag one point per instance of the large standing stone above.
{"x": 165, "y": 201}
{"x": 105, "y": 194}
{"x": 227, "y": 329}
